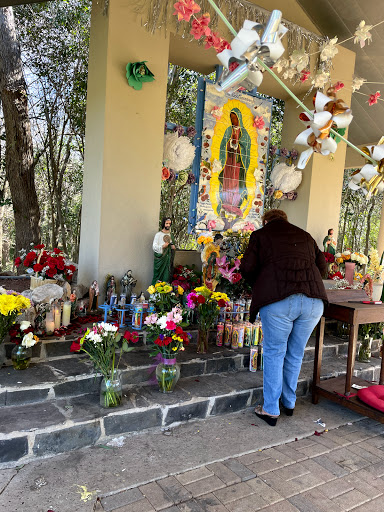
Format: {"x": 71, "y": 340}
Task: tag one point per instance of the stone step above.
{"x": 56, "y": 426}
{"x": 73, "y": 375}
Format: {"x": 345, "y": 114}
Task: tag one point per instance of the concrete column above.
{"x": 124, "y": 147}
{"x": 380, "y": 238}
{"x": 317, "y": 207}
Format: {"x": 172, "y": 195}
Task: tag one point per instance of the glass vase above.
{"x": 167, "y": 375}
{"x": 365, "y": 350}
{"x": 2, "y": 354}
{"x": 111, "y": 392}
{"x": 202, "y": 340}
{"x": 21, "y": 357}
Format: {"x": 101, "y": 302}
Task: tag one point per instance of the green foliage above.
{"x": 359, "y": 220}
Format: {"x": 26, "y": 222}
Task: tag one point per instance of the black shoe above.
{"x": 288, "y": 412}
{"x": 271, "y": 420}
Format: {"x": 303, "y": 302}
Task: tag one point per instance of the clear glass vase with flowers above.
{"x": 22, "y": 354}
{"x": 101, "y": 343}
{"x": 207, "y": 304}
{"x": 12, "y": 305}
{"x": 169, "y": 338}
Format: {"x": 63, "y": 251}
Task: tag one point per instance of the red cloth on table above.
{"x": 373, "y": 396}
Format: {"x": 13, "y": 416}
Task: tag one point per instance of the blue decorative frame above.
{"x": 201, "y": 86}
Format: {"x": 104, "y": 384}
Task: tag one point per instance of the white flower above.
{"x": 24, "y": 325}
{"x": 299, "y": 60}
{"x": 289, "y": 74}
{"x": 357, "y": 82}
{"x": 338, "y": 255}
{"x": 329, "y": 50}
{"x": 108, "y": 327}
{"x": 29, "y": 340}
{"x": 179, "y": 152}
{"x": 320, "y": 79}
{"x": 362, "y": 34}
{"x": 162, "y": 322}
{"x": 94, "y": 337}
{"x": 281, "y": 64}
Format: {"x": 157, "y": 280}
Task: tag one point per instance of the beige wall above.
{"x": 124, "y": 147}
{"x": 317, "y": 207}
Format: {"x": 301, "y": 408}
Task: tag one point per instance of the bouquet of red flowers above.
{"x": 46, "y": 264}
{"x": 329, "y": 258}
{"x": 186, "y": 277}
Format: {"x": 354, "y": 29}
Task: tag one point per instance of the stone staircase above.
{"x": 53, "y": 406}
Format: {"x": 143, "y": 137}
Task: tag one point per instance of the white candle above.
{"x": 66, "y": 313}
{"x": 57, "y": 316}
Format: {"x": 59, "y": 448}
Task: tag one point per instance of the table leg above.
{"x": 351, "y": 357}
{"x": 105, "y": 315}
{"x": 381, "y": 381}
{"x": 318, "y": 359}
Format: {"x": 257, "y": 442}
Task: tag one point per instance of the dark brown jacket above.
{"x": 282, "y": 260}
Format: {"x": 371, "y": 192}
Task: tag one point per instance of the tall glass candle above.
{"x": 66, "y": 320}
{"x": 57, "y": 315}
{"x": 49, "y": 322}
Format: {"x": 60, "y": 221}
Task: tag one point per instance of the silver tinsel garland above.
{"x": 157, "y": 14}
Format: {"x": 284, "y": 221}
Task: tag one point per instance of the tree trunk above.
{"x": 369, "y": 225}
{"x": 19, "y": 147}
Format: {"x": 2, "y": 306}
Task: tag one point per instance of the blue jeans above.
{"x": 287, "y": 326}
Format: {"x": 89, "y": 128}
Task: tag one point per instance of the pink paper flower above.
{"x": 233, "y": 65}
{"x": 304, "y": 75}
{"x": 373, "y": 98}
{"x": 222, "y": 45}
{"x": 338, "y": 86}
{"x": 212, "y": 40}
{"x": 200, "y": 26}
{"x": 185, "y": 9}
{"x": 211, "y": 225}
{"x": 259, "y": 122}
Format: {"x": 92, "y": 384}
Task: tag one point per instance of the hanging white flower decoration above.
{"x": 329, "y": 49}
{"x": 362, "y": 34}
{"x": 321, "y": 79}
{"x": 289, "y": 74}
{"x": 357, "y": 82}
{"x": 179, "y": 152}
{"x": 281, "y": 64}
{"x": 299, "y": 60}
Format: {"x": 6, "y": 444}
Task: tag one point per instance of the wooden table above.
{"x": 338, "y": 389}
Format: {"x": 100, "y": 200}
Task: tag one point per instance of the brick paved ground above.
{"x": 340, "y": 470}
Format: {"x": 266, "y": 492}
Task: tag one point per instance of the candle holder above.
{"x": 49, "y": 322}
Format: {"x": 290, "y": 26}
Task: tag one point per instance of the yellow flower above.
{"x": 167, "y": 288}
{"x": 278, "y": 194}
{"x": 208, "y": 240}
{"x": 174, "y": 349}
{"x": 180, "y": 290}
{"x": 151, "y": 290}
{"x": 201, "y": 239}
{"x": 240, "y": 256}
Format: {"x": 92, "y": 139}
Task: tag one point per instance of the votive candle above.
{"x": 66, "y": 320}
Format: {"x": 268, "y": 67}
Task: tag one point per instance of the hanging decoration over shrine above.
{"x": 370, "y": 178}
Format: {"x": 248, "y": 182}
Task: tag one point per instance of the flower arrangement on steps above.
{"x": 101, "y": 344}
{"x": 22, "y": 354}
{"x": 169, "y": 339}
{"x": 207, "y": 304}
{"x": 12, "y": 305}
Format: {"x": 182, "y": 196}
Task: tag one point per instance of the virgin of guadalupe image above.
{"x": 234, "y": 147}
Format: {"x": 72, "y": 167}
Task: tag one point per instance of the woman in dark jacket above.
{"x": 284, "y": 266}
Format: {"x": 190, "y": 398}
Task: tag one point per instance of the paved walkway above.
{"x": 341, "y": 469}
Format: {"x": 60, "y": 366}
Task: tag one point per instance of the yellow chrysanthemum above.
{"x": 151, "y": 290}
{"x": 180, "y": 290}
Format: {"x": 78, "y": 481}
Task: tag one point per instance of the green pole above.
{"x": 273, "y": 74}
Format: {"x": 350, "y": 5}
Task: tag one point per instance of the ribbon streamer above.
{"x": 246, "y": 48}
{"x": 370, "y": 178}
{"x": 329, "y": 113}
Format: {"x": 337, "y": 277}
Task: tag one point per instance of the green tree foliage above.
{"x": 359, "y": 221}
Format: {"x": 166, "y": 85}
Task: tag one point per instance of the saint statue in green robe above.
{"x": 164, "y": 252}
{"x": 329, "y": 243}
